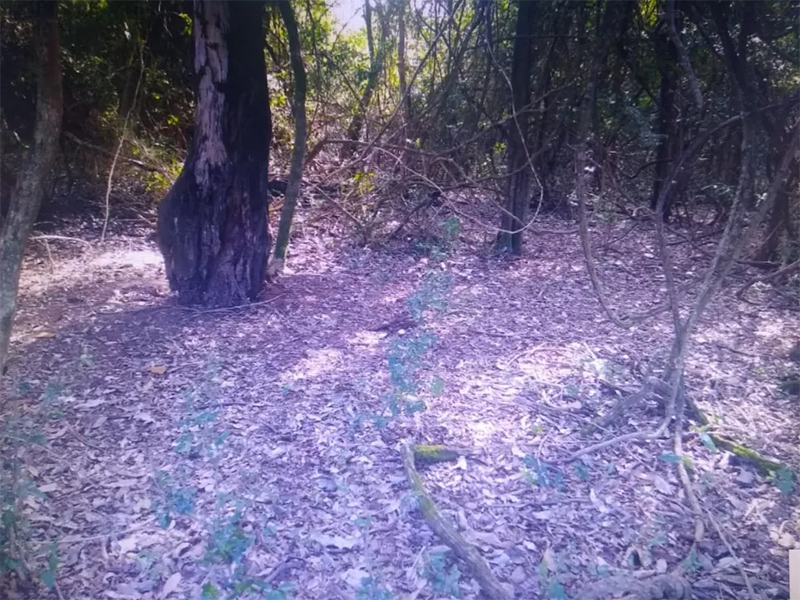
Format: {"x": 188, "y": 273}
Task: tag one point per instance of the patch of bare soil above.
{"x": 185, "y": 453}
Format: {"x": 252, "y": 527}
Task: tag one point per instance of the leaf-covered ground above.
{"x": 172, "y": 453}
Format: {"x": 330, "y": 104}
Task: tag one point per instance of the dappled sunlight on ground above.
{"x": 176, "y": 436}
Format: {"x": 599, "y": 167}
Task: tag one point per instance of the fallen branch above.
{"x": 431, "y": 454}
{"x": 725, "y": 541}
{"x": 131, "y": 161}
{"x": 766, "y": 466}
{"x": 64, "y": 238}
{"x": 487, "y": 580}
{"x": 783, "y": 272}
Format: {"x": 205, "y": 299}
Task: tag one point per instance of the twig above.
{"x": 699, "y": 526}
{"x": 725, "y": 541}
{"x": 132, "y": 161}
{"x": 628, "y": 437}
{"x": 82, "y": 439}
{"x": 101, "y": 536}
{"x": 787, "y": 270}
{"x": 60, "y": 237}
{"x": 201, "y": 311}
{"x": 121, "y": 142}
{"x": 287, "y": 564}
{"x": 205, "y": 311}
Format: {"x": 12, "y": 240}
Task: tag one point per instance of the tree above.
{"x": 377, "y": 57}
{"x": 34, "y": 178}
{"x": 212, "y": 225}
{"x": 299, "y": 150}
{"x": 513, "y": 219}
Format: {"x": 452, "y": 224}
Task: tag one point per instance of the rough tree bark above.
{"x": 509, "y": 239}
{"x": 212, "y": 226}
{"x": 34, "y": 178}
{"x": 298, "y": 153}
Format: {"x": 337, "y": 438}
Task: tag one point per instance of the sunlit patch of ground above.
{"x": 186, "y": 452}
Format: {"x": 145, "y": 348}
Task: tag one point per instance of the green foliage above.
{"x": 172, "y": 499}
{"x": 18, "y": 488}
{"x": 432, "y": 295}
{"x": 443, "y": 243}
{"x": 582, "y": 471}
{"x": 202, "y": 444}
{"x": 443, "y": 579}
{"x": 784, "y": 480}
{"x": 691, "y": 564}
{"x": 406, "y": 358}
{"x": 549, "y": 584}
{"x": 227, "y": 540}
{"x": 372, "y": 589}
{"x": 542, "y": 474}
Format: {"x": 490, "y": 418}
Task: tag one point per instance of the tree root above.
{"x": 483, "y": 574}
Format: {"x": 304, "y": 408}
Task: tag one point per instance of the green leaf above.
{"x": 49, "y": 579}
{"x": 556, "y": 591}
{"x": 670, "y": 457}
{"x": 708, "y": 442}
{"x": 210, "y": 592}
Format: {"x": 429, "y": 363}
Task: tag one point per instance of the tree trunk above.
{"x": 666, "y": 121}
{"x": 212, "y": 226}
{"x": 376, "y": 59}
{"x": 35, "y": 175}
{"x": 298, "y": 153}
{"x": 513, "y": 220}
{"x": 401, "y": 61}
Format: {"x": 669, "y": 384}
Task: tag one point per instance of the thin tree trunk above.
{"x": 784, "y": 179}
{"x": 598, "y": 58}
{"x": 375, "y": 69}
{"x": 212, "y": 225}
{"x": 666, "y": 125}
{"x": 401, "y": 61}
{"x": 697, "y": 95}
{"x": 35, "y": 175}
{"x": 509, "y": 239}
{"x": 299, "y": 150}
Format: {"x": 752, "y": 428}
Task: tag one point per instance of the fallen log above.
{"x": 480, "y": 569}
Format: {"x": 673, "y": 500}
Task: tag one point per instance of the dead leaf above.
{"x": 354, "y": 577}
{"x": 44, "y": 334}
{"x": 93, "y": 403}
{"x": 549, "y": 560}
{"x": 171, "y": 584}
{"x": 124, "y": 592}
{"x": 158, "y": 369}
{"x": 128, "y": 544}
{"x": 337, "y": 541}
{"x": 488, "y": 538}
{"x": 662, "y": 486}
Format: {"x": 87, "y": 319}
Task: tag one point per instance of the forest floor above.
{"x": 184, "y": 453}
